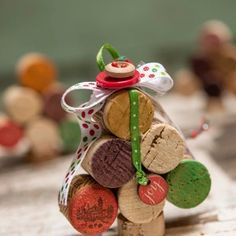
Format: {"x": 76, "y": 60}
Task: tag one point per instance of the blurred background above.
{"x": 70, "y": 33}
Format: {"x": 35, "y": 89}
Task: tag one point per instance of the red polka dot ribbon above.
{"x": 90, "y": 130}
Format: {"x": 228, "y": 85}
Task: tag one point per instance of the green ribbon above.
{"x": 99, "y": 58}
{"x": 135, "y": 137}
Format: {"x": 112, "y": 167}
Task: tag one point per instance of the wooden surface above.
{"x": 127, "y": 228}
{"x": 28, "y": 193}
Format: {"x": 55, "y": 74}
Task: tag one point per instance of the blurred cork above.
{"x": 36, "y": 71}
{"x": 44, "y": 138}
{"x": 22, "y": 104}
{"x": 162, "y": 148}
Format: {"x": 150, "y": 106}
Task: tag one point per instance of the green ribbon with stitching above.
{"x": 135, "y": 137}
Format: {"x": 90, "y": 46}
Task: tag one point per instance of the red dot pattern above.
{"x": 91, "y": 132}
{"x": 85, "y": 126}
{"x": 96, "y": 126}
{"x": 90, "y": 111}
{"x": 151, "y": 71}
{"x": 79, "y": 156}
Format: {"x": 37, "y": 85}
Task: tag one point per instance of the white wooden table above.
{"x": 28, "y": 193}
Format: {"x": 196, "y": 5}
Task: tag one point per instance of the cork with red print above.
{"x": 91, "y": 208}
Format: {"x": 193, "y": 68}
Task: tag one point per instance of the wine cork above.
{"x": 162, "y": 148}
{"x": 189, "y": 184}
{"x": 109, "y": 162}
{"x": 70, "y": 135}
{"x": 132, "y": 208}
{"x": 77, "y": 182}
{"x": 44, "y": 138}
{"x": 36, "y": 71}
{"x": 154, "y": 228}
{"x": 22, "y": 104}
{"x": 52, "y": 103}
{"x": 91, "y": 208}
{"x": 116, "y": 114}
{"x": 10, "y": 133}
{"x": 20, "y": 150}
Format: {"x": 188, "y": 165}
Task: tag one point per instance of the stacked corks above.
{"x": 135, "y": 165}
{"x": 34, "y": 124}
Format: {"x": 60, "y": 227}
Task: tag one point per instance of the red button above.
{"x": 105, "y": 81}
{"x": 155, "y": 192}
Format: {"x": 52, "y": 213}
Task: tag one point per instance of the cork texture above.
{"x": 154, "y": 228}
{"x": 116, "y": 114}
{"x": 132, "y": 208}
{"x": 44, "y": 138}
{"x": 22, "y": 104}
{"x": 109, "y": 161}
{"x": 162, "y": 148}
{"x": 190, "y": 184}
{"x": 91, "y": 208}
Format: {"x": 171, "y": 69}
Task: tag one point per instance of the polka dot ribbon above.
{"x": 135, "y": 137}
{"x": 90, "y": 130}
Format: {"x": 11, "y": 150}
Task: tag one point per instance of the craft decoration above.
{"x": 152, "y": 76}
{"x": 36, "y": 97}
{"x": 155, "y": 191}
{"x": 115, "y": 114}
{"x": 91, "y": 207}
{"x": 113, "y": 157}
{"x": 106, "y": 159}
{"x": 189, "y": 184}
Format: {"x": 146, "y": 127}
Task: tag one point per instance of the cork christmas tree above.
{"x": 133, "y": 153}
{"x": 34, "y": 125}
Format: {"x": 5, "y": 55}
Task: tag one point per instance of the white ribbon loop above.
{"x": 154, "y": 76}
{"x": 97, "y": 97}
